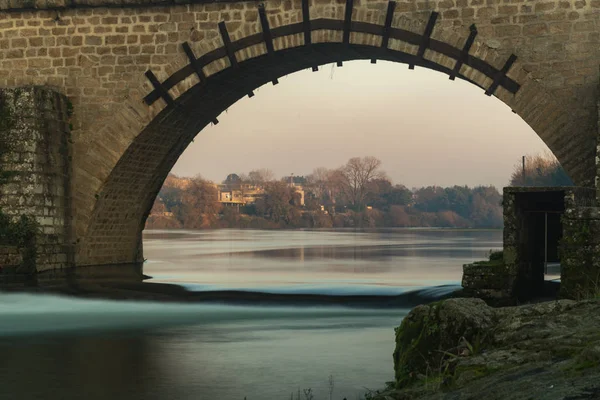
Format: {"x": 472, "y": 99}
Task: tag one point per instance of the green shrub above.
{"x": 496, "y": 255}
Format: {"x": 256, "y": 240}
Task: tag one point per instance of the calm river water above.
{"x": 62, "y": 348}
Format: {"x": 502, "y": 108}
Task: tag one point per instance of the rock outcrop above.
{"x": 464, "y": 349}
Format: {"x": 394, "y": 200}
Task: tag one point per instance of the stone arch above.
{"x": 180, "y": 103}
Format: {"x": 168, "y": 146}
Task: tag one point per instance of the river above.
{"x": 63, "y": 348}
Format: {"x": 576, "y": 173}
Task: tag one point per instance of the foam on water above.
{"x": 329, "y": 290}
{"x": 31, "y": 314}
{"x": 35, "y": 314}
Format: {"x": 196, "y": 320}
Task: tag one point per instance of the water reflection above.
{"x": 78, "y": 367}
{"x": 228, "y": 361}
{"x": 237, "y": 258}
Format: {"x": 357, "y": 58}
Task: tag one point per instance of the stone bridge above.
{"x": 107, "y": 94}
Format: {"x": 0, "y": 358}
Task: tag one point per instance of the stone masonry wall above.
{"x": 38, "y": 161}
{"x": 10, "y": 259}
{"x": 518, "y": 275}
{"x": 497, "y": 282}
{"x": 510, "y": 234}
{"x": 97, "y": 52}
{"x": 597, "y": 180}
{"x": 494, "y": 283}
{"x": 580, "y": 251}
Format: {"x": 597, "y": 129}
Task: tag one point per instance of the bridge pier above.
{"x": 35, "y": 181}
{"x": 580, "y": 258}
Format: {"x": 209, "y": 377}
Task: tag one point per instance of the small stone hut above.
{"x": 549, "y": 233}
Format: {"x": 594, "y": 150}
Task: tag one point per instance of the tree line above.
{"x": 357, "y": 194}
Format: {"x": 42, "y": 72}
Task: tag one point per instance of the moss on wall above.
{"x": 19, "y": 232}
{"x": 6, "y": 124}
{"x": 580, "y": 259}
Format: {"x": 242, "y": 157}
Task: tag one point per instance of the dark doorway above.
{"x": 541, "y": 232}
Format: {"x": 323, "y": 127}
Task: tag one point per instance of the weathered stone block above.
{"x": 493, "y": 282}
{"x": 10, "y": 257}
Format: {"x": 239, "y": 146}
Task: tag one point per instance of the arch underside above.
{"x": 424, "y": 42}
{"x": 114, "y": 233}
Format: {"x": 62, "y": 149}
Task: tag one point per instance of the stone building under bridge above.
{"x": 549, "y": 233}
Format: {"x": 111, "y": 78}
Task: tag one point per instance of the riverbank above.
{"x": 463, "y": 349}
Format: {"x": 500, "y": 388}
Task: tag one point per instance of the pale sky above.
{"x": 425, "y": 128}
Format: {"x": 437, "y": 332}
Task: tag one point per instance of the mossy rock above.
{"x": 486, "y": 268}
{"x": 542, "y": 351}
{"x": 465, "y": 374}
{"x": 430, "y": 332}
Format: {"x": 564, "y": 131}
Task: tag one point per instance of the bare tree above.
{"x": 260, "y": 176}
{"x": 320, "y": 174}
{"x": 355, "y": 177}
{"x": 319, "y": 183}
{"x": 244, "y": 178}
{"x": 540, "y": 170}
